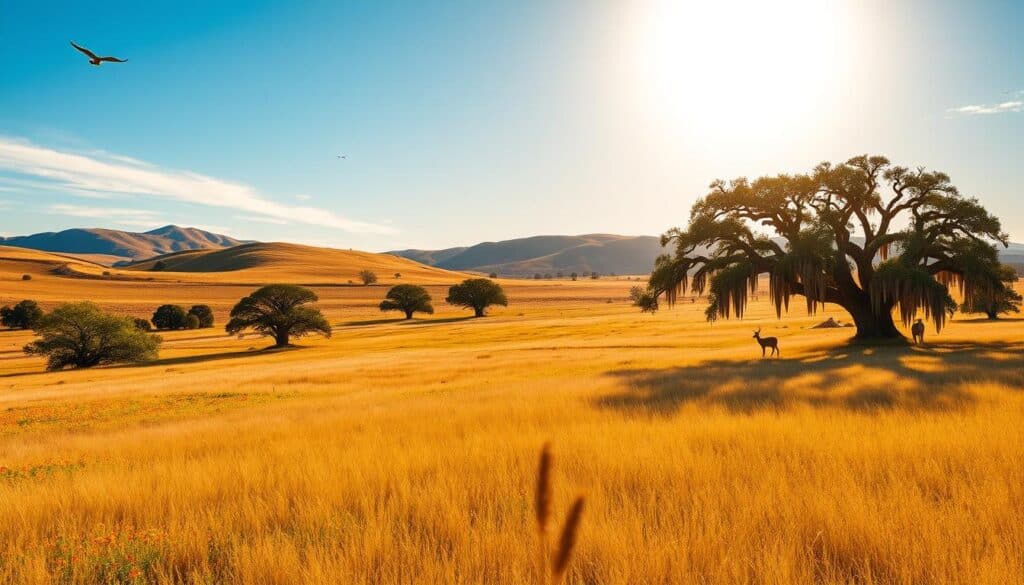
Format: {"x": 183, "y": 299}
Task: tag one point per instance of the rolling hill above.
{"x": 112, "y": 246}
{"x": 281, "y": 262}
{"x": 604, "y": 253}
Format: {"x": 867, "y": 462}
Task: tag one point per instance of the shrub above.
{"x": 26, "y": 277}
{"x": 408, "y": 298}
{"x": 398, "y": 275}
{"x": 594, "y": 276}
{"x": 191, "y": 321}
{"x": 80, "y": 335}
{"x": 277, "y": 310}
{"x": 204, "y": 313}
{"x": 169, "y": 317}
{"x": 24, "y": 315}
{"x": 477, "y": 294}
{"x": 643, "y": 298}
{"x": 368, "y": 277}
{"x": 494, "y": 275}
{"x": 537, "y": 276}
{"x": 143, "y": 325}
{"x": 574, "y": 276}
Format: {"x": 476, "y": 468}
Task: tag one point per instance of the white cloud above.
{"x": 260, "y": 219}
{"x": 99, "y": 212}
{"x": 100, "y": 173}
{"x": 1000, "y": 108}
{"x": 303, "y": 197}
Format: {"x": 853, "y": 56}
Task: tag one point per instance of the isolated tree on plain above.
{"x": 205, "y": 315}
{"x": 408, "y": 298}
{"x": 574, "y": 276}
{"x": 279, "y": 311}
{"x": 477, "y": 294}
{"x": 398, "y": 275}
{"x": 80, "y": 335}
{"x": 837, "y": 235}
{"x": 494, "y": 275}
{"x": 23, "y": 315}
{"x": 169, "y": 317}
{"x": 368, "y": 277}
{"x": 1002, "y": 302}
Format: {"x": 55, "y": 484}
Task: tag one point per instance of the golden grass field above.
{"x": 405, "y": 452}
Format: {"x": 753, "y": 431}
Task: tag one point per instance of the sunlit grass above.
{"x": 407, "y": 453}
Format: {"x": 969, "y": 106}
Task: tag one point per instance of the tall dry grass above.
{"x": 407, "y": 454}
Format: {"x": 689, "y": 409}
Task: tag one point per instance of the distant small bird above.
{"x": 342, "y": 156}
{"x": 95, "y": 60}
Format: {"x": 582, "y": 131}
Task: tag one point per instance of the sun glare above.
{"x": 738, "y": 70}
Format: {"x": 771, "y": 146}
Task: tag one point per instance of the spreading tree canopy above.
{"x": 477, "y": 294}
{"x": 408, "y": 298}
{"x": 867, "y": 235}
{"x": 21, "y": 316}
{"x": 277, "y": 310}
{"x": 1005, "y": 301}
{"x": 80, "y": 335}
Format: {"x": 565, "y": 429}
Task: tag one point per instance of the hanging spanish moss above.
{"x": 910, "y": 289}
{"x": 731, "y": 287}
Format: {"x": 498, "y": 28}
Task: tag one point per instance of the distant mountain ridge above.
{"x": 603, "y": 253}
{"x": 117, "y": 245}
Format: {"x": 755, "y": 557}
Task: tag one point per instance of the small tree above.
{"x": 398, "y": 275}
{"x": 644, "y": 299}
{"x": 169, "y": 317}
{"x": 477, "y": 294}
{"x": 24, "y": 315}
{"x": 1005, "y": 300}
{"x": 537, "y": 276}
{"x": 204, "y": 313}
{"x": 574, "y": 276}
{"x": 594, "y": 276}
{"x": 277, "y": 311}
{"x": 80, "y": 335}
{"x": 26, "y": 277}
{"x": 143, "y": 324}
{"x": 494, "y": 275}
{"x": 368, "y": 277}
{"x": 191, "y": 321}
{"x": 409, "y": 299}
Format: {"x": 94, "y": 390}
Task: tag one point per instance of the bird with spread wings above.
{"x": 94, "y": 59}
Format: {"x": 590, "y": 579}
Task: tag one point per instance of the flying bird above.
{"x": 342, "y": 156}
{"x": 95, "y": 60}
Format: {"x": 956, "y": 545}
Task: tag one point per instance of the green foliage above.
{"x": 477, "y": 294}
{"x": 1003, "y": 301}
{"x": 191, "y": 321}
{"x": 204, "y": 314}
{"x": 26, "y": 277}
{"x": 643, "y": 298}
{"x": 368, "y": 277}
{"x": 169, "y": 317}
{"x": 278, "y": 310}
{"x": 80, "y": 335}
{"x": 143, "y": 324}
{"x": 831, "y": 238}
{"x": 23, "y": 315}
{"x": 408, "y": 298}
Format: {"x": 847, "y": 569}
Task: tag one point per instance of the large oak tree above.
{"x": 867, "y": 235}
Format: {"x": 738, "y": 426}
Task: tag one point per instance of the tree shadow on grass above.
{"x": 852, "y": 377}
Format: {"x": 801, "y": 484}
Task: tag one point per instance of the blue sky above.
{"x": 472, "y": 121}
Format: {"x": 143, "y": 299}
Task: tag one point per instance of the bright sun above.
{"x": 738, "y": 70}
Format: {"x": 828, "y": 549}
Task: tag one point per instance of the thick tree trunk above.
{"x": 281, "y": 339}
{"x": 408, "y": 314}
{"x": 992, "y": 315}
{"x": 873, "y": 325}
{"x": 479, "y": 311}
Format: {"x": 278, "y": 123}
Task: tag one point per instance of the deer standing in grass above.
{"x": 766, "y": 342}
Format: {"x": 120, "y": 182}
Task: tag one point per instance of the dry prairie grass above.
{"x": 407, "y": 452}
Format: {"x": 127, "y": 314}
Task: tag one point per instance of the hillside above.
{"x": 281, "y": 262}
{"x": 604, "y": 253}
{"x": 111, "y": 246}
